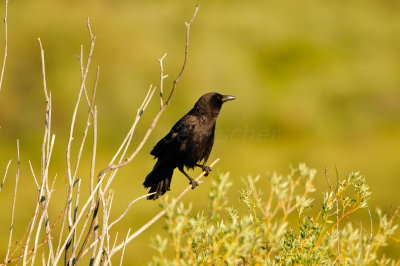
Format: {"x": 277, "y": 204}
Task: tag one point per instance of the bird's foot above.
{"x": 194, "y": 183}
{"x": 206, "y": 169}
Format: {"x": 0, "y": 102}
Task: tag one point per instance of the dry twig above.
{"x": 155, "y": 120}
{"x": 160, "y": 214}
{"x": 69, "y": 246}
{"x": 5, "y": 45}
{"x": 13, "y": 206}
{"x": 5, "y": 175}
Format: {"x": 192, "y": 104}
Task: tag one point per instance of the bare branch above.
{"x": 93, "y": 41}
{"x": 59, "y": 252}
{"x": 159, "y": 215}
{"x": 78, "y": 257}
{"x": 127, "y": 209}
{"x": 104, "y": 233}
{"x": 34, "y": 176}
{"x": 93, "y": 163}
{"x": 43, "y": 70}
{"x": 5, "y": 175}
{"x": 90, "y": 112}
{"x": 47, "y": 146}
{"x": 31, "y": 227}
{"x": 104, "y": 244}
{"x": 45, "y": 219}
{"x": 157, "y": 117}
{"x": 68, "y": 155}
{"x": 78, "y": 190}
{"x": 13, "y": 206}
{"x": 188, "y": 24}
{"x": 5, "y": 45}
{"x": 128, "y": 137}
{"x": 123, "y": 248}
{"x": 162, "y": 77}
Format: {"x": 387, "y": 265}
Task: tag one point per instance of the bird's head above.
{"x": 211, "y": 103}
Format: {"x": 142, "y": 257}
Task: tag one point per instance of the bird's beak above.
{"x": 226, "y": 98}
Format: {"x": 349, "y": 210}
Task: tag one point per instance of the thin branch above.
{"x": 93, "y": 41}
{"x": 82, "y": 75}
{"x": 75, "y": 241}
{"x": 59, "y": 253}
{"x": 93, "y": 163}
{"x": 115, "y": 242}
{"x": 31, "y": 227}
{"x": 128, "y": 138}
{"x": 160, "y": 214}
{"x": 127, "y": 209}
{"x": 5, "y": 45}
{"x": 162, "y": 77}
{"x": 186, "y": 53}
{"x": 47, "y": 146}
{"x": 100, "y": 251}
{"x": 22, "y": 239}
{"x": 123, "y": 248}
{"x": 68, "y": 155}
{"x": 78, "y": 257}
{"x": 34, "y": 176}
{"x": 63, "y": 221}
{"x": 43, "y": 70}
{"x": 92, "y": 169}
{"x": 156, "y": 118}
{"x": 78, "y": 190}
{"x": 45, "y": 219}
{"x": 124, "y": 146}
{"x": 5, "y": 175}
{"x": 13, "y": 206}
{"x": 38, "y": 246}
{"x": 90, "y": 112}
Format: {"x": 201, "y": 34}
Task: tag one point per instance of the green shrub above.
{"x": 281, "y": 227}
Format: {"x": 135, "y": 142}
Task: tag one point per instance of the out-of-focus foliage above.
{"x": 264, "y": 234}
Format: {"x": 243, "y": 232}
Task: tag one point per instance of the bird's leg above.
{"x": 205, "y": 168}
{"x": 192, "y": 181}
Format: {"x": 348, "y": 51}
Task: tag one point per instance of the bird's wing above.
{"x": 177, "y": 137}
{"x": 208, "y": 146}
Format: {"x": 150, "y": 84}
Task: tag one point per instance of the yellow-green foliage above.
{"x": 282, "y": 227}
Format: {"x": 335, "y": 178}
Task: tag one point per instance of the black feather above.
{"x": 189, "y": 142}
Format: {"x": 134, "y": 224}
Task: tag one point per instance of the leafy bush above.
{"x": 278, "y": 228}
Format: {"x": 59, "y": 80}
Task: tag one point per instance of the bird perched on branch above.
{"x": 187, "y": 144}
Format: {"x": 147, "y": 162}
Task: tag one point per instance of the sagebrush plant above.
{"x": 282, "y": 227}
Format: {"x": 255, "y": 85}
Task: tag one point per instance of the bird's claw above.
{"x": 206, "y": 169}
{"x": 194, "y": 183}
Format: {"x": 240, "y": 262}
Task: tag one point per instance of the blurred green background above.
{"x": 316, "y": 82}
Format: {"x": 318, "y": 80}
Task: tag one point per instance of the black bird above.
{"x": 187, "y": 144}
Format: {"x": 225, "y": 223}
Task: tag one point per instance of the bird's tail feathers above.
{"x": 159, "y": 180}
